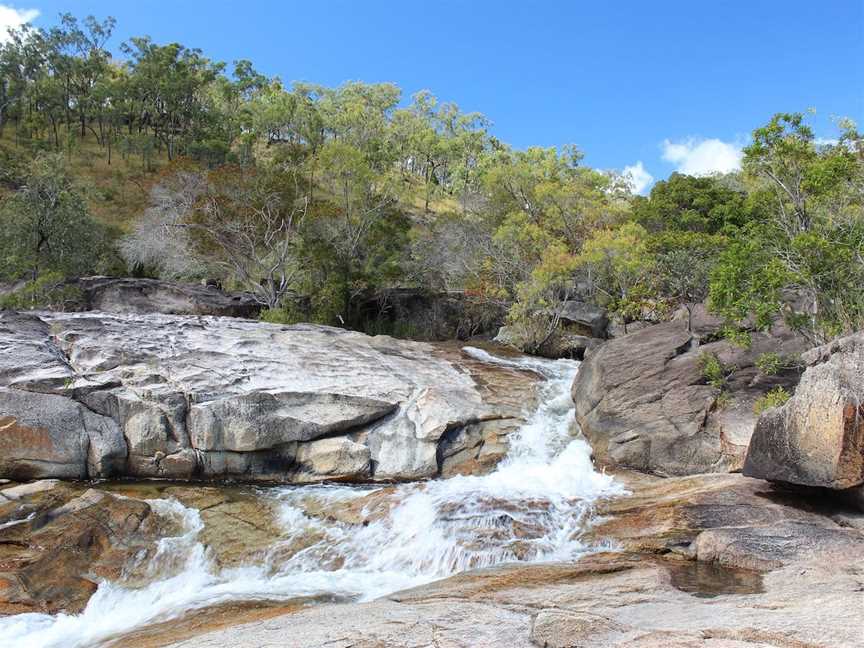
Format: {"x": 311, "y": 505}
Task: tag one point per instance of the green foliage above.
{"x": 46, "y": 292}
{"x": 536, "y": 313}
{"x": 772, "y": 363}
{"x": 811, "y": 242}
{"x": 620, "y": 268}
{"x": 286, "y": 313}
{"x": 46, "y": 225}
{"x": 769, "y": 363}
{"x": 715, "y": 372}
{"x": 687, "y": 204}
{"x": 738, "y": 336}
{"x": 327, "y": 197}
{"x": 683, "y": 264}
{"x": 748, "y": 280}
{"x": 774, "y": 398}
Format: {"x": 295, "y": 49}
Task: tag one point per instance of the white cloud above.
{"x": 703, "y": 156}
{"x": 637, "y": 177}
{"x": 826, "y": 141}
{"x": 12, "y": 17}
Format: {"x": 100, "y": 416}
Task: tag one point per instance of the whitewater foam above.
{"x": 534, "y": 507}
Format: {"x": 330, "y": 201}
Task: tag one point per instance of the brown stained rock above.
{"x": 239, "y": 524}
{"x": 602, "y": 601}
{"x": 728, "y": 519}
{"x": 56, "y": 543}
{"x": 46, "y": 435}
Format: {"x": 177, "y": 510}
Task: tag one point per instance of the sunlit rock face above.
{"x": 817, "y": 437}
{"x": 644, "y": 400}
{"x": 96, "y": 395}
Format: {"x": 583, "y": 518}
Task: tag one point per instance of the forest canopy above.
{"x": 156, "y": 160}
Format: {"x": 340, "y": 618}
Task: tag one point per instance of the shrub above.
{"x": 774, "y": 398}
{"x": 714, "y": 372}
{"x": 770, "y": 363}
{"x": 46, "y": 292}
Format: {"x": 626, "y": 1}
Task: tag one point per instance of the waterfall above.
{"x": 533, "y": 507}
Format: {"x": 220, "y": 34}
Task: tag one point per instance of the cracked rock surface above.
{"x": 643, "y": 400}
{"x": 101, "y": 395}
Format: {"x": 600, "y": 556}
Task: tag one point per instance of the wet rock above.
{"x": 475, "y": 449}
{"x": 56, "y": 542}
{"x": 602, "y": 601}
{"x": 817, "y": 437}
{"x": 180, "y": 397}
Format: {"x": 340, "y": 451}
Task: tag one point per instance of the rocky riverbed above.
{"x": 460, "y": 504}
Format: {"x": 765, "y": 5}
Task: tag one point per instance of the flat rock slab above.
{"x": 603, "y": 601}
{"x": 709, "y": 561}
{"x": 101, "y": 395}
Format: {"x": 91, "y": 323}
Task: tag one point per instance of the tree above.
{"x": 537, "y": 313}
{"x": 686, "y": 203}
{"x": 46, "y": 224}
{"x": 683, "y": 262}
{"x": 241, "y": 221}
{"x": 619, "y": 267}
{"x": 805, "y": 260}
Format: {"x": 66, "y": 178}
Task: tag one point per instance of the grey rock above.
{"x": 643, "y": 402}
{"x": 180, "y": 396}
{"x": 134, "y": 295}
{"x": 336, "y": 458}
{"x": 262, "y": 420}
{"x": 561, "y": 344}
{"x": 590, "y": 318}
{"x": 44, "y": 435}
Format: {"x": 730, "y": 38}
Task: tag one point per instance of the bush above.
{"x": 46, "y": 292}
{"x": 774, "y": 398}
{"x": 714, "y": 372}
{"x": 770, "y": 363}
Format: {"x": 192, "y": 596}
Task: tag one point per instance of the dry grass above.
{"x": 116, "y": 193}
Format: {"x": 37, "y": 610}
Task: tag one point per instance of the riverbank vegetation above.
{"x": 158, "y": 161}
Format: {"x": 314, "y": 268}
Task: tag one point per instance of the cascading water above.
{"x": 532, "y": 508}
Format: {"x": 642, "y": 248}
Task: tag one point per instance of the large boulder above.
{"x": 644, "y": 401}
{"x": 94, "y": 395}
{"x": 43, "y": 435}
{"x": 817, "y": 437}
{"x": 561, "y": 344}
{"x": 135, "y": 295}
{"x": 583, "y": 317}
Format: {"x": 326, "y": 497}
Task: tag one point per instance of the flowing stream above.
{"x": 532, "y": 508}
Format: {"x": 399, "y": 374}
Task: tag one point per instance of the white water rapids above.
{"x": 533, "y": 508}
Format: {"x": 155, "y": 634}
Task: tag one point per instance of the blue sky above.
{"x": 673, "y": 84}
